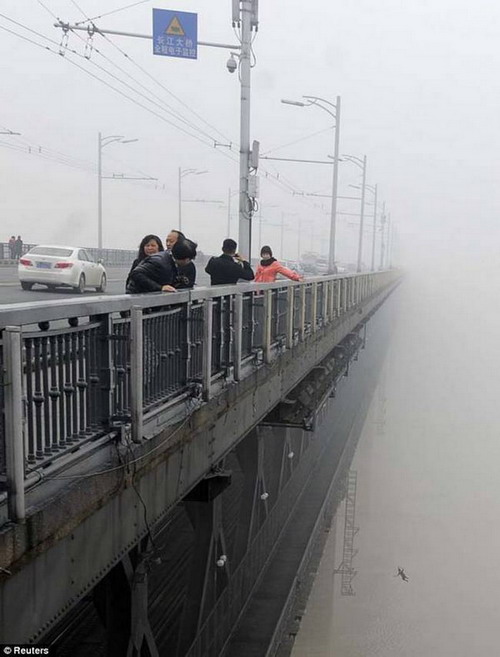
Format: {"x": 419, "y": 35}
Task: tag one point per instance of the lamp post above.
{"x": 101, "y": 143}
{"x": 335, "y": 113}
{"x": 182, "y": 174}
{"x": 382, "y": 236}
{"x": 374, "y": 190}
{"x": 390, "y": 239}
{"x": 361, "y": 163}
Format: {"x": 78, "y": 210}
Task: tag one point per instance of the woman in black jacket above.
{"x": 159, "y": 272}
{"x": 150, "y": 244}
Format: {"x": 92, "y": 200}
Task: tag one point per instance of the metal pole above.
{"x": 333, "y": 218}
{"x": 238, "y": 335}
{"x": 362, "y": 217}
{"x": 14, "y": 441}
{"x": 374, "y": 227}
{"x": 99, "y": 191}
{"x": 137, "y": 372}
{"x": 382, "y": 244}
{"x": 389, "y": 241}
{"x": 259, "y": 245}
{"x": 98, "y": 30}
{"x": 229, "y": 213}
{"x": 207, "y": 348}
{"x": 298, "y": 241}
{"x": 244, "y": 237}
{"x": 180, "y": 199}
{"x": 282, "y": 234}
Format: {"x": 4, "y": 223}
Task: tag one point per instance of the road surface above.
{"x": 11, "y": 292}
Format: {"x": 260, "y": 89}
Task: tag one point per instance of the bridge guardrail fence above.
{"x": 110, "y": 257}
{"x": 105, "y": 362}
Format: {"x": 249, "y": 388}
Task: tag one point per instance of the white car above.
{"x": 55, "y": 266}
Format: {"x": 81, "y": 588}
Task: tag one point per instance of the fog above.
{"x": 428, "y": 488}
{"x": 419, "y": 97}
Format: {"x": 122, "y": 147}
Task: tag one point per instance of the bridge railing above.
{"x": 73, "y": 373}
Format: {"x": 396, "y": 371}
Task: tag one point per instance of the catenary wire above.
{"x": 114, "y": 11}
{"x": 146, "y": 72}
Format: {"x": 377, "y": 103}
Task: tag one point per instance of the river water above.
{"x": 428, "y": 496}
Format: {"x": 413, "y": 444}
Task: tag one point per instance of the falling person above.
{"x": 401, "y": 573}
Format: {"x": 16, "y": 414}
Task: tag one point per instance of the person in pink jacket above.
{"x": 269, "y": 268}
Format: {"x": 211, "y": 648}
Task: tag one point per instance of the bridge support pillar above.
{"x": 209, "y": 568}
{"x": 121, "y": 599}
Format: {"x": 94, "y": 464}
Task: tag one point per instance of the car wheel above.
{"x": 102, "y": 287}
{"x": 81, "y": 284}
{"x": 26, "y": 286}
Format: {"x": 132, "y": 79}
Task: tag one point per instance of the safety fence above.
{"x": 72, "y": 374}
{"x": 109, "y": 257}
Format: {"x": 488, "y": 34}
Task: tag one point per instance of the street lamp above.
{"x": 321, "y": 102}
{"x": 361, "y": 163}
{"x": 374, "y": 190}
{"x": 101, "y": 143}
{"x": 382, "y": 236}
{"x": 182, "y": 174}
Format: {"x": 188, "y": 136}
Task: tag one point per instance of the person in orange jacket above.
{"x": 269, "y": 268}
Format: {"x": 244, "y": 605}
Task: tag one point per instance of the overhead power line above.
{"x": 114, "y": 11}
{"x": 155, "y": 80}
{"x": 153, "y": 98}
{"x": 275, "y": 179}
{"x": 297, "y": 141}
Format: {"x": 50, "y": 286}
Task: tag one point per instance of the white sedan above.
{"x": 56, "y": 266}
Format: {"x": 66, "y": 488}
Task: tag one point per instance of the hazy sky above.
{"x": 420, "y": 96}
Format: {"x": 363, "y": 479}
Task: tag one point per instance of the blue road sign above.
{"x": 175, "y": 33}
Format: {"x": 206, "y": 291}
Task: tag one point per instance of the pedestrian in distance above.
{"x": 159, "y": 272}
{"x": 150, "y": 245}
{"x": 18, "y": 247}
{"x": 186, "y": 275}
{"x": 12, "y": 247}
{"x": 269, "y": 268}
{"x": 230, "y": 267}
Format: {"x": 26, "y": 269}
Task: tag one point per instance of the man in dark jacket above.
{"x": 159, "y": 272}
{"x": 228, "y": 268}
{"x": 187, "y": 275}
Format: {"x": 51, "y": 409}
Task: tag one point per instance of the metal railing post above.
{"x": 302, "y": 327}
{"x": 207, "y": 348}
{"x": 238, "y": 334}
{"x": 106, "y": 369}
{"x": 314, "y": 318}
{"x": 326, "y": 304}
{"x": 268, "y": 319}
{"x": 290, "y": 317}
{"x": 136, "y": 372}
{"x": 14, "y": 434}
{"x": 333, "y": 307}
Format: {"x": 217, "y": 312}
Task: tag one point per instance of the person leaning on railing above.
{"x": 187, "y": 275}
{"x": 150, "y": 245}
{"x": 159, "y": 273}
{"x": 269, "y": 268}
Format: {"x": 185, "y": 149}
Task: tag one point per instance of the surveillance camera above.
{"x": 231, "y": 64}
